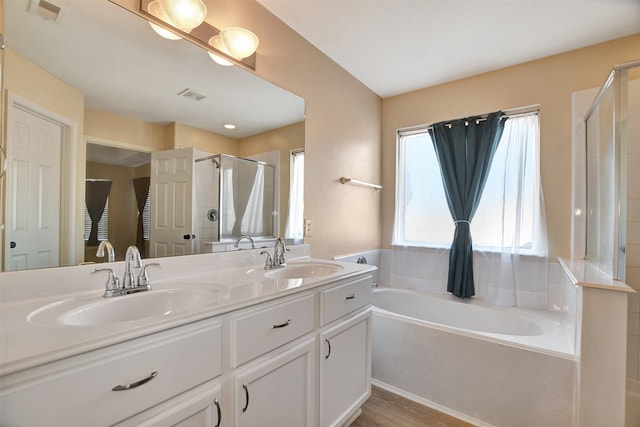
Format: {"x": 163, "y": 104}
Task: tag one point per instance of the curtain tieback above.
{"x": 462, "y": 220}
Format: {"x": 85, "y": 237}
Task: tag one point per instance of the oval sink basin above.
{"x": 101, "y": 311}
{"x": 303, "y": 270}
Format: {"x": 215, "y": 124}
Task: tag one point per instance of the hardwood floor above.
{"x": 385, "y": 409}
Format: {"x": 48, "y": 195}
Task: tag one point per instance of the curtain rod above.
{"x": 511, "y": 113}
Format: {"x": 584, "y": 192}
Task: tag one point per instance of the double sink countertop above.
{"x": 50, "y": 314}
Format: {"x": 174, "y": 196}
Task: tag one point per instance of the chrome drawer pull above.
{"x": 215, "y": 402}
{"x": 352, "y": 296}
{"x": 136, "y": 384}
{"x": 282, "y": 325}
{"x": 329, "y": 344}
{"x": 246, "y": 393}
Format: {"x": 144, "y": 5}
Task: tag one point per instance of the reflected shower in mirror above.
{"x": 100, "y": 74}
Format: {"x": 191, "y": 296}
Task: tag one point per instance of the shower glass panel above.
{"x": 601, "y": 181}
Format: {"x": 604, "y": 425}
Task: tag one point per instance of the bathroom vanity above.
{"x": 282, "y": 347}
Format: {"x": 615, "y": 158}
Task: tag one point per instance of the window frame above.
{"x": 399, "y": 209}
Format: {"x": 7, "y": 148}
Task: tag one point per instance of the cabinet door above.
{"x": 345, "y": 368}
{"x": 279, "y": 391}
{"x": 199, "y": 407}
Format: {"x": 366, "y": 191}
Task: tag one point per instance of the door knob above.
{"x": 12, "y": 245}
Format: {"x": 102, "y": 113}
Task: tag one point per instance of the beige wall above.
{"x": 188, "y": 136}
{"x": 548, "y": 82}
{"x": 284, "y": 139}
{"x": 342, "y": 130}
{"x": 116, "y": 127}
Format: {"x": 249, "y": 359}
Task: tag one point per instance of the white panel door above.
{"x": 171, "y": 191}
{"x": 33, "y": 192}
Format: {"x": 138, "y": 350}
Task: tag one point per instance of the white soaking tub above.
{"x": 489, "y": 365}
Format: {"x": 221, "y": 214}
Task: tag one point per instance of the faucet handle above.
{"x": 112, "y": 284}
{"x": 143, "y": 278}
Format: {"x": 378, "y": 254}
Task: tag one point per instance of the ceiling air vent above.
{"x": 46, "y": 10}
{"x": 188, "y": 93}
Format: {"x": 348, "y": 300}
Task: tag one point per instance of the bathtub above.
{"x": 487, "y": 365}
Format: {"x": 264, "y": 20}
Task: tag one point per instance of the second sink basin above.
{"x": 100, "y": 311}
{"x": 303, "y": 270}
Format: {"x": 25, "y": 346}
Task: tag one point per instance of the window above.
{"x": 294, "y": 227}
{"x": 509, "y": 213}
{"x": 103, "y": 225}
{"x": 146, "y": 218}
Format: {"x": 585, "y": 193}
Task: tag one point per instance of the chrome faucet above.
{"x": 131, "y": 260}
{"x": 278, "y": 254}
{"x": 105, "y": 244}
{"x": 114, "y": 288}
{"x": 253, "y": 245}
{"x": 277, "y": 260}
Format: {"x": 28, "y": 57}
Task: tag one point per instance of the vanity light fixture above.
{"x": 176, "y": 19}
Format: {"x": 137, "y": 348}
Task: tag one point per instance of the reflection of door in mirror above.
{"x": 33, "y": 214}
{"x": 121, "y": 166}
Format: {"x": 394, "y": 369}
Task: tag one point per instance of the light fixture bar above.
{"x": 199, "y": 36}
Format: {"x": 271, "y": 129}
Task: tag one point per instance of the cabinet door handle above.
{"x": 282, "y": 325}
{"x": 246, "y": 394}
{"x": 215, "y": 402}
{"x": 352, "y": 296}
{"x": 136, "y": 384}
{"x": 329, "y": 344}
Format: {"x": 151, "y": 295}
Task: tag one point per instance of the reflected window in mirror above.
{"x": 294, "y": 228}
{"x": 103, "y": 223}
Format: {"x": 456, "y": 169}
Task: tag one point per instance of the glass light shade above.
{"x": 186, "y": 14}
{"x": 240, "y": 42}
{"x": 216, "y": 42}
{"x": 164, "y": 33}
{"x": 154, "y": 9}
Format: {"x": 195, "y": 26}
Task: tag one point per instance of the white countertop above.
{"x": 25, "y": 344}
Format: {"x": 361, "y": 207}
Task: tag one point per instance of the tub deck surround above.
{"x": 234, "y": 275}
{"x": 583, "y": 273}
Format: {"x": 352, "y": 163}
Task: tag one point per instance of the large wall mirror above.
{"x": 92, "y": 94}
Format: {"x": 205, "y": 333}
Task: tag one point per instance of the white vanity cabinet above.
{"x": 109, "y": 385}
{"x": 300, "y": 360}
{"x": 345, "y": 355}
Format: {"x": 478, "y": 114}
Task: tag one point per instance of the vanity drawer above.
{"x": 79, "y": 391}
{"x": 267, "y": 328}
{"x": 340, "y": 300}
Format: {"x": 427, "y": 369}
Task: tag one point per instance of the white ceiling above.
{"x": 396, "y": 46}
{"x": 122, "y": 66}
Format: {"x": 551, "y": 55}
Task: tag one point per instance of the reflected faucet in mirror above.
{"x": 105, "y": 244}
{"x": 253, "y": 245}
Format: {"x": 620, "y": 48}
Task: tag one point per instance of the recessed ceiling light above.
{"x": 229, "y": 126}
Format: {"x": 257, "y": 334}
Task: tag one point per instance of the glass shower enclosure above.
{"x": 607, "y": 143}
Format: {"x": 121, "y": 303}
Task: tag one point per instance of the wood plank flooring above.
{"x": 385, "y": 409}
